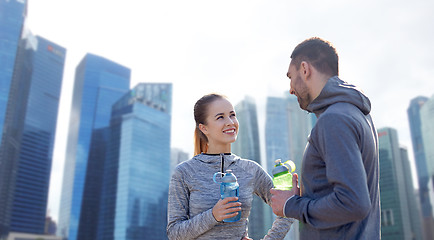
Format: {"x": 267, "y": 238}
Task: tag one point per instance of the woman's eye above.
{"x": 219, "y": 117}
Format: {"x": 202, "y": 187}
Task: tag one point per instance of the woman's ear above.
{"x": 203, "y": 128}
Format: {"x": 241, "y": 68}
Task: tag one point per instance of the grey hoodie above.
{"x": 340, "y": 196}
{"x": 193, "y": 194}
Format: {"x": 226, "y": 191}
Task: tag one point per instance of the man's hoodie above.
{"x": 340, "y": 171}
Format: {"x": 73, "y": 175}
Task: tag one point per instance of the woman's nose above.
{"x": 229, "y": 122}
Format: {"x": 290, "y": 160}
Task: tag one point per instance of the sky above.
{"x": 240, "y": 48}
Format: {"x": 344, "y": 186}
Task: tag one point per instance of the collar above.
{"x": 211, "y": 158}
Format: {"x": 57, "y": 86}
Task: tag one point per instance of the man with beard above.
{"x": 338, "y": 197}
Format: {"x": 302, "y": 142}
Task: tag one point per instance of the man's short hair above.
{"x": 318, "y": 52}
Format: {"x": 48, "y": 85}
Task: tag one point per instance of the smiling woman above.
{"x": 195, "y": 207}
{"x": 216, "y": 124}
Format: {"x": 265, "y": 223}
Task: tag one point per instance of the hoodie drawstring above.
{"x": 222, "y": 155}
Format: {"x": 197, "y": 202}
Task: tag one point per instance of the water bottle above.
{"x": 282, "y": 177}
{"x": 229, "y": 188}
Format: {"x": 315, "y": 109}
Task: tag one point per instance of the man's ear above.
{"x": 305, "y": 70}
{"x": 203, "y": 128}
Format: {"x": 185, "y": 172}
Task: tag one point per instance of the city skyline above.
{"x": 246, "y": 52}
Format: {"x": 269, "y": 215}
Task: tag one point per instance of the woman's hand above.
{"x": 226, "y": 208}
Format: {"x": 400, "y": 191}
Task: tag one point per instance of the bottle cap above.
{"x": 279, "y": 169}
{"x": 229, "y": 177}
{"x": 287, "y": 166}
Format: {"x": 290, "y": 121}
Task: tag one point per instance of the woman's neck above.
{"x": 220, "y": 149}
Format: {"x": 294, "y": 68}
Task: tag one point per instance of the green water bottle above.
{"x": 282, "y": 174}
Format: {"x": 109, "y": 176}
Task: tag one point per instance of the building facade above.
{"x": 248, "y": 146}
{"x": 425, "y": 178}
{"x": 137, "y": 172}
{"x": 99, "y": 83}
{"x": 39, "y": 120}
{"x": 287, "y": 128}
{"x": 28, "y": 115}
{"x": 12, "y": 17}
{"x": 427, "y": 127}
{"x": 27, "y": 236}
{"x": 395, "y": 213}
{"x": 412, "y": 198}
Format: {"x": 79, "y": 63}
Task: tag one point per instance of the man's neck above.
{"x": 318, "y": 82}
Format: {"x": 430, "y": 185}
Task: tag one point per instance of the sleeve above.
{"x": 338, "y": 143}
{"x": 179, "y": 224}
{"x": 281, "y": 225}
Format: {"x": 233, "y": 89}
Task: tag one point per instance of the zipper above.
{"x": 222, "y": 155}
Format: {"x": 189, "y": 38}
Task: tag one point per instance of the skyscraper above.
{"x": 38, "y": 133}
{"x": 276, "y": 131}
{"x": 426, "y": 195}
{"x": 395, "y": 213}
{"x": 427, "y": 127}
{"x": 286, "y": 130}
{"x": 412, "y": 198}
{"x": 248, "y": 146}
{"x": 12, "y": 16}
{"x": 28, "y": 130}
{"x": 136, "y": 177}
{"x": 99, "y": 83}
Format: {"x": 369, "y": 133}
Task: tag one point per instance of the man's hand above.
{"x": 279, "y": 197}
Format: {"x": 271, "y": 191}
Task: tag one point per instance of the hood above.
{"x": 336, "y": 91}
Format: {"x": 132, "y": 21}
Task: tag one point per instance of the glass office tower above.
{"x": 276, "y": 131}
{"x": 395, "y": 213}
{"x": 38, "y": 132}
{"x": 136, "y": 178}
{"x": 426, "y": 195}
{"x": 427, "y": 127}
{"x": 248, "y": 146}
{"x": 413, "y": 112}
{"x": 99, "y": 83}
{"x": 286, "y": 130}
{"x": 412, "y": 198}
{"x": 12, "y": 16}
{"x": 31, "y": 75}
